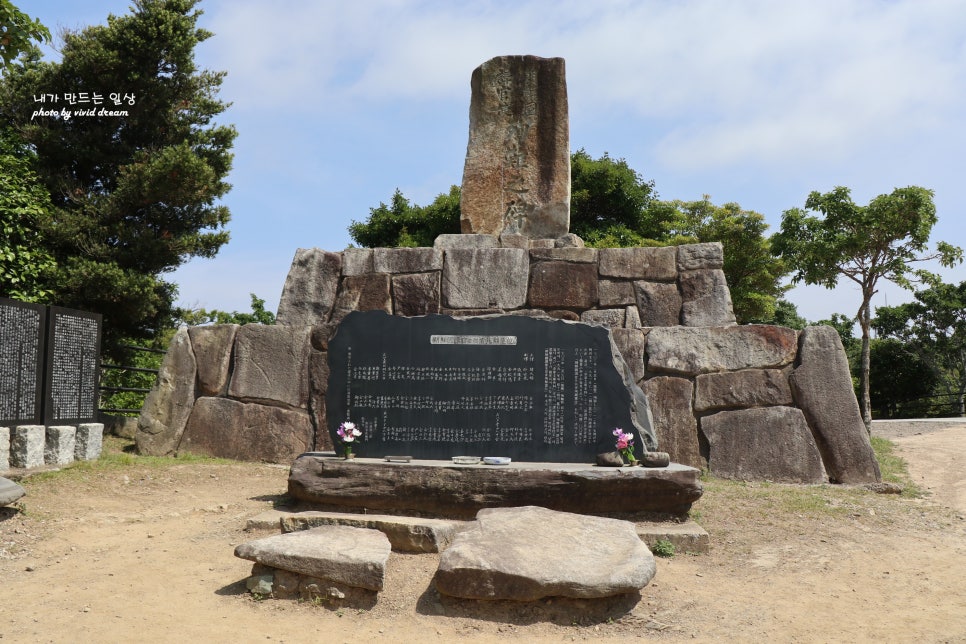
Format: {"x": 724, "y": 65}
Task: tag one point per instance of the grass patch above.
{"x": 771, "y": 500}
{"x": 118, "y": 453}
{"x": 894, "y": 469}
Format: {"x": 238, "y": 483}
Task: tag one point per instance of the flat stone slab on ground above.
{"x": 686, "y": 537}
{"x": 442, "y": 489}
{"x": 9, "y": 491}
{"x": 405, "y": 534}
{"x": 528, "y": 553}
{"x": 352, "y": 556}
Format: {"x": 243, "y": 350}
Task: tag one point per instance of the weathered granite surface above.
{"x": 516, "y": 178}
{"x": 455, "y": 491}
{"x": 822, "y": 385}
{"x": 405, "y": 534}
{"x": 352, "y": 556}
{"x": 167, "y": 407}
{"x": 518, "y": 554}
{"x": 10, "y": 492}
{"x": 767, "y": 443}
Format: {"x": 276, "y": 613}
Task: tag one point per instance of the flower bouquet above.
{"x": 348, "y": 433}
{"x": 625, "y": 445}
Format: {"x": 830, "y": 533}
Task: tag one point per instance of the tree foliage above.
{"x": 25, "y": 264}
{"x": 609, "y": 202}
{"x": 200, "y": 317}
{"x": 933, "y": 326}
{"x": 401, "y": 223}
{"x": 754, "y": 273}
{"x": 17, "y": 31}
{"x": 864, "y": 244}
{"x": 134, "y": 194}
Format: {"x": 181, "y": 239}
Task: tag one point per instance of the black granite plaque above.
{"x": 73, "y": 356}
{"x": 22, "y": 327}
{"x": 435, "y": 387}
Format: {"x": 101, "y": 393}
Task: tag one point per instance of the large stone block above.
{"x": 674, "y": 421}
{"x": 89, "y": 441}
{"x": 271, "y": 364}
{"x": 448, "y": 241}
{"x": 415, "y": 294}
{"x": 485, "y": 277}
{"x": 59, "y": 447}
{"x": 568, "y": 254}
{"x": 563, "y": 284}
{"x": 167, "y": 406}
{"x": 611, "y": 318}
{"x": 694, "y": 257}
{"x": 762, "y": 444}
{"x": 615, "y": 293}
{"x": 357, "y": 261}
{"x": 310, "y": 288}
{"x": 658, "y": 303}
{"x": 406, "y": 534}
{"x": 705, "y": 299}
{"x": 745, "y": 388}
{"x": 27, "y": 446}
{"x": 355, "y": 557}
{"x": 516, "y": 178}
{"x": 246, "y": 432}
{"x": 363, "y": 293}
{"x": 658, "y": 264}
{"x": 459, "y": 491}
{"x": 518, "y": 554}
{"x": 212, "y": 348}
{"x": 407, "y": 260}
{"x": 693, "y": 350}
{"x": 822, "y": 386}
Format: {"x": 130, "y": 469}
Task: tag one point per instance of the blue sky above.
{"x": 337, "y": 104}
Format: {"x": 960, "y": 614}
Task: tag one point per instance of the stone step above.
{"x": 354, "y": 557}
{"x": 405, "y": 534}
{"x": 687, "y": 537}
{"x": 442, "y": 489}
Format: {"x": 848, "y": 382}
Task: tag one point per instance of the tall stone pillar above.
{"x": 517, "y": 173}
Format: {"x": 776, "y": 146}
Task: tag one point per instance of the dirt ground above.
{"x": 143, "y": 552}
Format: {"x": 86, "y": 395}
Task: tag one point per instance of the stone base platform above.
{"x": 443, "y": 489}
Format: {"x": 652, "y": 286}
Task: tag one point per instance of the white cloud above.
{"x": 757, "y": 80}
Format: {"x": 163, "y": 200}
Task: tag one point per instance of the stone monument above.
{"x": 517, "y": 174}
{"x": 435, "y": 387}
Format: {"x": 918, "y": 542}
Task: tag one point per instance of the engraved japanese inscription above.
{"x": 21, "y": 354}
{"x": 437, "y": 387}
{"x": 73, "y": 354}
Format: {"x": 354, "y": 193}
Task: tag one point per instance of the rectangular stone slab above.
{"x": 437, "y": 387}
{"x": 459, "y": 491}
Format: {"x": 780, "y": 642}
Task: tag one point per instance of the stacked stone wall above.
{"x": 749, "y": 402}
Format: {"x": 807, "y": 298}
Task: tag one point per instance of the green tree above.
{"x": 25, "y": 264}
{"x": 754, "y": 273}
{"x": 134, "y": 194}
{"x": 201, "y": 317}
{"x": 609, "y": 202}
{"x": 401, "y": 223}
{"x": 864, "y": 244}
{"x": 899, "y": 374}
{"x": 934, "y": 327}
{"x": 17, "y": 30}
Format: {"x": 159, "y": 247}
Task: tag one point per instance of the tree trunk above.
{"x": 865, "y": 321}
